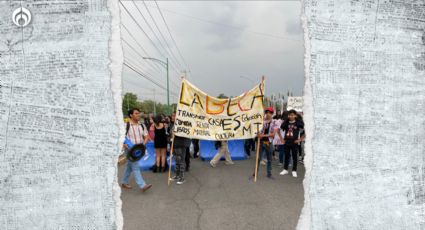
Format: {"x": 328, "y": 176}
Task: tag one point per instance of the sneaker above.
{"x": 279, "y": 164}
{"x": 181, "y": 181}
{"x": 146, "y": 187}
{"x": 263, "y": 162}
{"x": 212, "y": 164}
{"x": 174, "y": 178}
{"x": 284, "y": 172}
{"x": 229, "y": 163}
{"x": 294, "y": 174}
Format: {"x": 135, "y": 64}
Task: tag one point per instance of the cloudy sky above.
{"x": 226, "y": 46}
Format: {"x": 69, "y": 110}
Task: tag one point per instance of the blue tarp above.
{"x": 236, "y": 149}
{"x": 207, "y": 152}
{"x": 148, "y": 160}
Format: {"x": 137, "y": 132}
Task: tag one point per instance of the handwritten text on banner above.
{"x": 204, "y": 117}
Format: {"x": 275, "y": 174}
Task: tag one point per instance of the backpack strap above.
{"x": 127, "y": 128}
{"x": 143, "y": 127}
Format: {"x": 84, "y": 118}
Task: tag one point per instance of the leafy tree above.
{"x": 222, "y": 96}
{"x": 129, "y": 101}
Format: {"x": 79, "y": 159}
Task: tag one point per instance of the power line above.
{"x": 156, "y": 36}
{"x": 172, "y": 82}
{"x": 155, "y": 66}
{"x": 172, "y": 38}
{"x": 233, "y": 27}
{"x": 135, "y": 51}
{"x": 130, "y": 66}
{"x": 141, "y": 47}
{"x": 162, "y": 35}
{"x": 140, "y": 27}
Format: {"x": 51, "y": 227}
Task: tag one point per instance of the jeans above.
{"x": 180, "y": 155}
{"x": 281, "y": 149}
{"x": 291, "y": 150}
{"x": 249, "y": 145}
{"x": 187, "y": 158}
{"x": 266, "y": 149}
{"x": 195, "y": 143}
{"x": 135, "y": 168}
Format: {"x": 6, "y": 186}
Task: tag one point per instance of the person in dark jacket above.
{"x": 180, "y": 145}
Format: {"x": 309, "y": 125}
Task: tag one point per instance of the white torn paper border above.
{"x": 364, "y": 110}
{"x": 116, "y": 57}
{"x": 60, "y": 116}
{"x": 308, "y": 111}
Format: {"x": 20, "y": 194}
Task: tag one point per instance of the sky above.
{"x": 226, "y": 46}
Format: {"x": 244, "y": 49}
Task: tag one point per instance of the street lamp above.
{"x": 165, "y": 64}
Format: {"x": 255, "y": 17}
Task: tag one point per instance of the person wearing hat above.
{"x": 137, "y": 134}
{"x": 266, "y": 136}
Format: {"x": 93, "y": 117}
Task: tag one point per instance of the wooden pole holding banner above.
{"x": 171, "y": 160}
{"x": 172, "y": 150}
{"x": 256, "y": 159}
{"x": 258, "y": 145}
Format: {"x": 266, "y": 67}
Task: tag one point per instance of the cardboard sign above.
{"x": 295, "y": 103}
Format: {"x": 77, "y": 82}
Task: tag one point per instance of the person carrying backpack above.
{"x": 137, "y": 134}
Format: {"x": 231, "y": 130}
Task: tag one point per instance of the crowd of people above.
{"x": 280, "y": 139}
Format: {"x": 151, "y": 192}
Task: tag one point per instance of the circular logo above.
{"x": 21, "y": 17}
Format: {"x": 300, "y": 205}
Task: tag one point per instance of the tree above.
{"x": 129, "y": 101}
{"x": 147, "y": 106}
{"x": 222, "y": 96}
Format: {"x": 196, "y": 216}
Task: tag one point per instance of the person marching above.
{"x": 137, "y": 134}
{"x": 223, "y": 150}
{"x": 180, "y": 144}
{"x": 266, "y": 135}
{"x": 292, "y": 137}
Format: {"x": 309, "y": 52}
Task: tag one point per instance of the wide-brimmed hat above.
{"x": 136, "y": 152}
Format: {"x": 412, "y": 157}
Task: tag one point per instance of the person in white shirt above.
{"x": 137, "y": 134}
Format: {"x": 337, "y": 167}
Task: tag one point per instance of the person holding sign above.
{"x": 137, "y": 134}
{"x": 265, "y": 136}
{"x": 180, "y": 144}
{"x": 224, "y": 150}
{"x": 292, "y": 137}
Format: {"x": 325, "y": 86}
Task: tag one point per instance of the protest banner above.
{"x": 201, "y": 116}
{"x": 295, "y": 103}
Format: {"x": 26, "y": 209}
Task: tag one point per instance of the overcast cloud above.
{"x": 218, "y": 55}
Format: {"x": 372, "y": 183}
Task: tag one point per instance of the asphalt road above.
{"x": 218, "y": 198}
